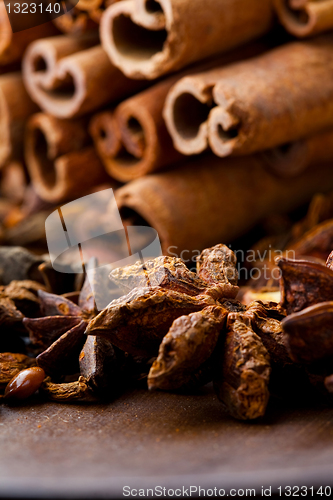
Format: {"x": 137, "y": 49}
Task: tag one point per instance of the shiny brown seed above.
{"x": 25, "y": 383}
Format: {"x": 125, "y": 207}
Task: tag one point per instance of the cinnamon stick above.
{"x": 68, "y": 76}
{"x": 13, "y": 45}
{"x": 149, "y": 38}
{"x": 292, "y": 158}
{"x": 132, "y": 140}
{"x": 14, "y": 181}
{"x": 257, "y": 104}
{"x": 211, "y": 199}
{"x": 15, "y": 107}
{"x": 61, "y": 162}
{"x": 305, "y": 17}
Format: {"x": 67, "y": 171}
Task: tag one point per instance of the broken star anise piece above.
{"x": 68, "y": 392}
{"x": 304, "y": 283}
{"x": 56, "y": 305}
{"x": 166, "y": 272}
{"x": 242, "y": 370}
{"x": 310, "y": 333}
{"x": 137, "y": 322}
{"x": 62, "y": 356}
{"x": 101, "y": 365}
{"x": 24, "y": 294}
{"x": 61, "y": 332}
{"x": 188, "y": 344}
{"x": 9, "y": 315}
{"x": 218, "y": 265}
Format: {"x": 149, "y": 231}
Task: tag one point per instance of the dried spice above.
{"x": 11, "y": 364}
{"x": 61, "y": 331}
{"x": 25, "y": 383}
{"x": 304, "y": 283}
{"x": 242, "y": 370}
{"x": 24, "y": 295}
{"x": 218, "y": 265}
{"x": 165, "y": 272}
{"x": 44, "y": 331}
{"x": 9, "y": 315}
{"x": 68, "y": 392}
{"x": 188, "y": 344}
{"x": 310, "y": 333}
{"x": 55, "y": 305}
{"x": 100, "y": 365}
{"x": 62, "y": 356}
{"x": 137, "y": 322}
{"x": 190, "y": 320}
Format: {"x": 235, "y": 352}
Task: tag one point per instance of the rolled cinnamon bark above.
{"x": 133, "y": 140}
{"x": 257, "y": 104}
{"x": 305, "y": 17}
{"x": 61, "y": 162}
{"x": 149, "y": 38}
{"x": 211, "y": 199}
{"x": 292, "y": 158}
{"x": 68, "y": 76}
{"x": 13, "y": 45}
{"x": 15, "y": 107}
{"x": 14, "y": 181}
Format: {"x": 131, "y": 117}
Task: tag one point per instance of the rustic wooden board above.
{"x": 146, "y": 439}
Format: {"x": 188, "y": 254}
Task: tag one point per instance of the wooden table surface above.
{"x": 146, "y": 439}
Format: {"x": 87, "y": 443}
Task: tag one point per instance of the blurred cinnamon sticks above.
{"x": 132, "y": 140}
{"x": 69, "y": 76}
{"x": 60, "y": 158}
{"x": 209, "y": 199}
{"x": 15, "y": 107}
{"x": 147, "y": 39}
{"x": 304, "y": 18}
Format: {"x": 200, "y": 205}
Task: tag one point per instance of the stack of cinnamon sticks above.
{"x": 205, "y": 117}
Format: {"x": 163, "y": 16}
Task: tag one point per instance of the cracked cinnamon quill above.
{"x": 61, "y": 161}
{"x": 255, "y": 105}
{"x": 304, "y": 18}
{"x": 70, "y": 76}
{"x": 147, "y": 39}
{"x": 211, "y": 199}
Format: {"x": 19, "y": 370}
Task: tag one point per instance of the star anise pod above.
{"x": 307, "y": 294}
{"x": 200, "y": 327}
